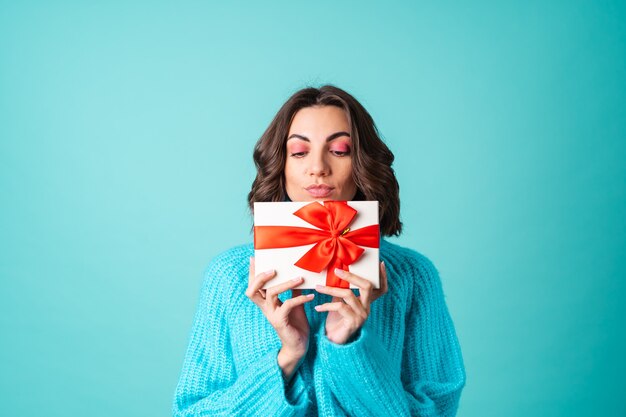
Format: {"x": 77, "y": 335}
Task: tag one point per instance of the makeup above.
{"x": 297, "y": 148}
{"x": 340, "y": 147}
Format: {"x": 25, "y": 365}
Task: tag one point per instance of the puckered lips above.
{"x": 319, "y": 190}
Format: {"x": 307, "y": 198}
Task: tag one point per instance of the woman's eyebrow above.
{"x": 336, "y": 135}
{"x": 328, "y": 139}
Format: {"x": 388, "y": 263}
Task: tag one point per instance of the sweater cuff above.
{"x": 359, "y": 372}
{"x": 276, "y": 396}
{"x": 356, "y": 341}
{"x": 294, "y": 389}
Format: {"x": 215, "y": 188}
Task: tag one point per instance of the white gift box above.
{"x": 283, "y": 259}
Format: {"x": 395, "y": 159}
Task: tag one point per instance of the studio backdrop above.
{"x": 126, "y": 137}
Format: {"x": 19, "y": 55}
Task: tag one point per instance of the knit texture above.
{"x": 405, "y": 361}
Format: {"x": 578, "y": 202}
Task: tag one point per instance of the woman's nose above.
{"x": 318, "y": 165}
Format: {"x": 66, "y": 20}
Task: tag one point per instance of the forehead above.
{"x": 320, "y": 120}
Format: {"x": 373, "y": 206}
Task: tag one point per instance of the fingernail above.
{"x": 319, "y": 287}
{"x": 269, "y": 272}
{"x": 310, "y": 295}
{"x": 317, "y": 308}
{"x": 340, "y": 272}
{"x": 297, "y": 279}
{"x": 384, "y": 266}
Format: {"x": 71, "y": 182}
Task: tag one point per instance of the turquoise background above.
{"x": 126, "y": 134}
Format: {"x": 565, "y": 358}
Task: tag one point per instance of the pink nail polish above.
{"x": 340, "y": 272}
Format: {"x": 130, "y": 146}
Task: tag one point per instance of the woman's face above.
{"x": 319, "y": 158}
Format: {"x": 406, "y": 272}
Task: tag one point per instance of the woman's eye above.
{"x": 340, "y": 153}
{"x": 298, "y": 154}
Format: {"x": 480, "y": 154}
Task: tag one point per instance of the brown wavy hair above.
{"x": 371, "y": 158}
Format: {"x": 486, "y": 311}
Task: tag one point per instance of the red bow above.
{"x": 336, "y": 246}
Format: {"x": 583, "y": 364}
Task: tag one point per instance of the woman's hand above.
{"x": 288, "y": 318}
{"x": 347, "y": 312}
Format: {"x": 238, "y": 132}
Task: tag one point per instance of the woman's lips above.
{"x": 319, "y": 191}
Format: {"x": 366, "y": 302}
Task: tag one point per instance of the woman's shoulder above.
{"x": 233, "y": 258}
{"x": 224, "y": 279}
{"x": 403, "y": 257}
{"x": 228, "y": 264}
{"x": 410, "y": 267}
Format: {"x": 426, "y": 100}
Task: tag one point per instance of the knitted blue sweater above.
{"x": 405, "y": 361}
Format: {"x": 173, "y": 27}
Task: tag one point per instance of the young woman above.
{"x": 280, "y": 351}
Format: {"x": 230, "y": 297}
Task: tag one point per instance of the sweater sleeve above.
{"x": 210, "y": 383}
{"x": 431, "y": 376}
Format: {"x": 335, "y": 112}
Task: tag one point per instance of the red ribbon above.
{"x": 336, "y": 246}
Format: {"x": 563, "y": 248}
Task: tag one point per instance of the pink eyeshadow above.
{"x": 297, "y": 148}
{"x": 340, "y": 147}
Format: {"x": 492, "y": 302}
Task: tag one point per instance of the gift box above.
{"x": 311, "y": 239}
